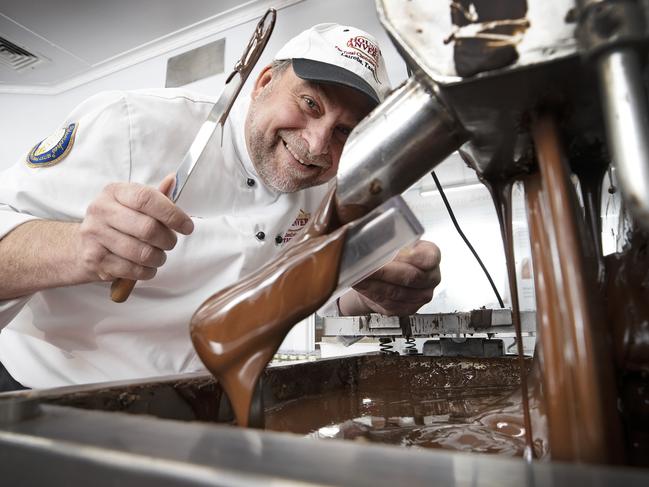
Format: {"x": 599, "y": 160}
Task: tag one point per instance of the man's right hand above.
{"x": 127, "y": 230}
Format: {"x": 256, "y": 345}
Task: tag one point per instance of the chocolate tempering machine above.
{"x": 481, "y": 73}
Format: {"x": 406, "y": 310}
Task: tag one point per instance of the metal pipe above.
{"x": 627, "y": 126}
{"x": 403, "y": 139}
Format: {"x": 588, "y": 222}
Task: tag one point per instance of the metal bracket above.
{"x": 497, "y": 321}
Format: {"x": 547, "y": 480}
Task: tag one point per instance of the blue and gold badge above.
{"x": 53, "y": 149}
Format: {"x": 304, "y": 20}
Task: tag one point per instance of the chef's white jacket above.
{"x": 76, "y": 334}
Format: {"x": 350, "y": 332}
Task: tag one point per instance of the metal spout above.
{"x": 401, "y": 140}
{"x": 627, "y": 126}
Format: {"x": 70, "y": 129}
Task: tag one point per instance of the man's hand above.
{"x": 400, "y": 287}
{"x": 127, "y": 230}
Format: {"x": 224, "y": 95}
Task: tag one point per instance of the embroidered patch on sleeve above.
{"x": 54, "y": 149}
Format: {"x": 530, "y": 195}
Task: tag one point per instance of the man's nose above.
{"x": 318, "y": 136}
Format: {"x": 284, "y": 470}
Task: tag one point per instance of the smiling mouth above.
{"x": 297, "y": 157}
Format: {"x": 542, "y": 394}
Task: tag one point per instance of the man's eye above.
{"x": 345, "y": 131}
{"x": 310, "y": 103}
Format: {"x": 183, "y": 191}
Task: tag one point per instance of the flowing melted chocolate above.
{"x": 501, "y": 193}
{"x": 574, "y": 357}
{"x": 237, "y": 331}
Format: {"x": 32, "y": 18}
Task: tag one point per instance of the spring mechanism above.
{"x": 410, "y": 347}
{"x": 385, "y": 345}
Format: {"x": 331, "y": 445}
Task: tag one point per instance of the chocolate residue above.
{"x": 628, "y": 311}
{"x": 628, "y": 302}
{"x": 464, "y": 12}
{"x": 487, "y": 34}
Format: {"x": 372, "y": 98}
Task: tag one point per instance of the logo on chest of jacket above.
{"x": 300, "y": 222}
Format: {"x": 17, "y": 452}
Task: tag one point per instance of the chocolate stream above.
{"x": 237, "y": 331}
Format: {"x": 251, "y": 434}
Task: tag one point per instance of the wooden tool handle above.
{"x": 120, "y": 289}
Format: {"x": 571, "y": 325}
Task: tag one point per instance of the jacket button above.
{"x": 279, "y": 239}
{"x": 260, "y": 235}
{"x": 250, "y": 182}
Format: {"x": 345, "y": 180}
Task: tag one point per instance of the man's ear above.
{"x": 264, "y": 78}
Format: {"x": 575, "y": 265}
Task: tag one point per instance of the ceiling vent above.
{"x": 16, "y": 57}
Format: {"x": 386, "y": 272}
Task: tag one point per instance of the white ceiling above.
{"x": 79, "y": 37}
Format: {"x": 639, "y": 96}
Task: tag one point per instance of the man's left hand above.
{"x": 398, "y": 288}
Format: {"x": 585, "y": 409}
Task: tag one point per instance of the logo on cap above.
{"x": 365, "y": 52}
{"x": 366, "y": 48}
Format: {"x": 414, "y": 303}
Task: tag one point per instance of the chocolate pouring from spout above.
{"x": 237, "y": 331}
{"x": 121, "y": 288}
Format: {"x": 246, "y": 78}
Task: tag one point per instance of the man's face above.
{"x": 296, "y": 129}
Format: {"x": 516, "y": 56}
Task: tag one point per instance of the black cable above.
{"x": 466, "y": 240}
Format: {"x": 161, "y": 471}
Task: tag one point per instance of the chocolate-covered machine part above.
{"x": 535, "y": 91}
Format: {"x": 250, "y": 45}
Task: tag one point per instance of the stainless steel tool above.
{"x": 121, "y": 288}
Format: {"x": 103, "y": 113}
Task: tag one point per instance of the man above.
{"x": 82, "y": 209}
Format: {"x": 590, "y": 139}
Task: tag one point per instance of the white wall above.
{"x": 27, "y": 119}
